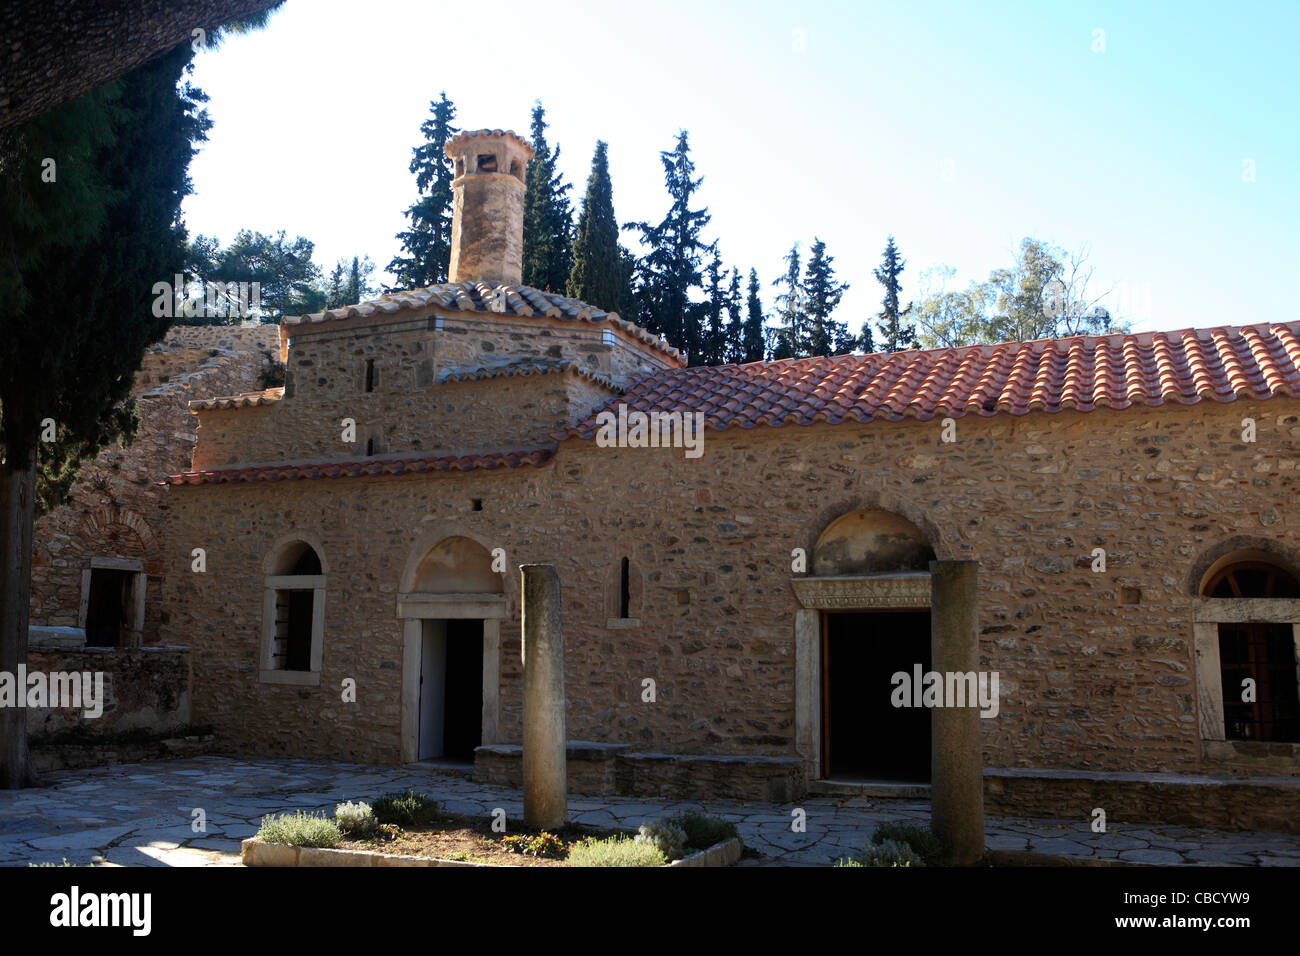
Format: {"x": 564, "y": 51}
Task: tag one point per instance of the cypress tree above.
{"x": 734, "y": 345}
{"x": 713, "y": 345}
{"x": 82, "y": 254}
{"x": 754, "y": 339}
{"x": 548, "y": 219}
{"x": 602, "y": 268}
{"x": 671, "y": 268}
{"x": 427, "y": 243}
{"x": 822, "y": 295}
{"x": 790, "y": 337}
{"x": 895, "y": 336}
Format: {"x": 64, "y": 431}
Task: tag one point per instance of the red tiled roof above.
{"x": 363, "y": 468}
{"x": 247, "y": 400}
{"x": 1048, "y": 375}
{"x": 524, "y": 368}
{"x": 517, "y": 300}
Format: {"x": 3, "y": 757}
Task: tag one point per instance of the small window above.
{"x": 476, "y": 504}
{"x": 294, "y": 617}
{"x": 1257, "y": 658}
{"x": 487, "y": 163}
{"x": 623, "y": 595}
{"x": 370, "y": 447}
{"x": 624, "y": 591}
{"x": 370, "y": 375}
{"x": 517, "y": 170}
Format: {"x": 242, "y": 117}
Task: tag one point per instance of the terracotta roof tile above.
{"x": 363, "y": 468}
{"x": 517, "y": 300}
{"x": 1081, "y": 373}
{"x": 251, "y": 399}
{"x": 526, "y": 367}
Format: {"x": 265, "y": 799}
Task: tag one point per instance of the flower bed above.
{"x": 359, "y": 835}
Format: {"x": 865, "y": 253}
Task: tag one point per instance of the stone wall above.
{"x": 1097, "y": 669}
{"x": 145, "y": 690}
{"x": 454, "y": 418}
{"x": 116, "y": 507}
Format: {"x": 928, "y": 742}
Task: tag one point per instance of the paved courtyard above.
{"x": 144, "y": 814}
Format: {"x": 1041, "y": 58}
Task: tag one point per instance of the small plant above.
{"x": 666, "y": 835}
{"x": 300, "y": 829}
{"x": 64, "y": 863}
{"x": 405, "y": 809}
{"x": 541, "y": 845}
{"x": 460, "y": 856}
{"x": 888, "y": 853}
{"x": 615, "y": 851}
{"x": 356, "y": 821}
{"x": 922, "y": 840}
{"x": 703, "y": 831}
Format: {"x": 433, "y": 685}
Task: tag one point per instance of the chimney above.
{"x": 487, "y": 220}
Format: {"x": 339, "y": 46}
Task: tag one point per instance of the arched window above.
{"x": 293, "y": 616}
{"x": 1258, "y": 655}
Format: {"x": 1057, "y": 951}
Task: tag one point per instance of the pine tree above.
{"x": 427, "y": 243}
{"x": 671, "y": 268}
{"x": 100, "y": 236}
{"x": 822, "y": 295}
{"x": 895, "y": 336}
{"x": 790, "y": 335}
{"x": 548, "y": 218}
{"x": 754, "y": 339}
{"x": 602, "y": 268}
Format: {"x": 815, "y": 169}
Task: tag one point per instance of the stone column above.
{"x": 956, "y": 760}
{"x": 545, "y": 782}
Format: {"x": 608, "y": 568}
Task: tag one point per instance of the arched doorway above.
{"x": 867, "y": 608}
{"x": 452, "y": 602}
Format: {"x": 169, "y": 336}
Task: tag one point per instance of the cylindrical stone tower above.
{"x": 487, "y": 220}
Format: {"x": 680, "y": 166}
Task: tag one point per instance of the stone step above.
{"x": 869, "y": 788}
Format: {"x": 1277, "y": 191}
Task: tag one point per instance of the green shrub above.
{"x": 405, "y": 809}
{"x": 300, "y": 829}
{"x": 666, "y": 835}
{"x": 888, "y": 853}
{"x": 356, "y": 821}
{"x": 615, "y": 851}
{"x": 542, "y": 844}
{"x": 922, "y": 840}
{"x": 703, "y": 831}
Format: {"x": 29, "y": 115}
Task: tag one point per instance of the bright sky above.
{"x": 1168, "y": 143}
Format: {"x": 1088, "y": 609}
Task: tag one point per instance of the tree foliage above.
{"x": 426, "y": 245}
{"x": 672, "y": 268}
{"x": 548, "y": 216}
{"x": 896, "y": 335}
{"x": 602, "y": 269}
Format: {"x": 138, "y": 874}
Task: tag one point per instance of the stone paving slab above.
{"x": 141, "y": 815}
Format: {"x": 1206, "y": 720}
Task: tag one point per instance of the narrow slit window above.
{"x": 624, "y": 589}
{"x": 370, "y": 375}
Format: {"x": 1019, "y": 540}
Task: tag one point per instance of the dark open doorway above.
{"x": 451, "y": 689}
{"x": 864, "y": 737}
{"x": 108, "y": 607}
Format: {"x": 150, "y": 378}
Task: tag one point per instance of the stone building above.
{"x": 97, "y": 561}
{"x": 734, "y": 619}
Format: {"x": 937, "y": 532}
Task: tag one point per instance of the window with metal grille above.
{"x": 1259, "y": 662}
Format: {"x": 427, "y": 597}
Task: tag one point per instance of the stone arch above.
{"x": 453, "y": 564}
{"x": 876, "y": 500}
{"x": 870, "y": 541}
{"x": 285, "y": 549}
{"x": 98, "y": 524}
{"x": 1242, "y": 547}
